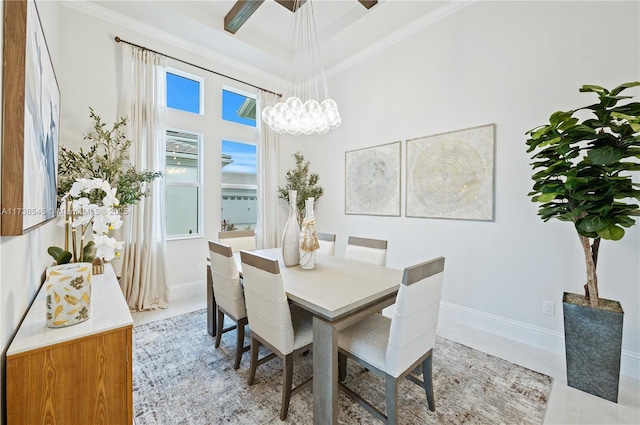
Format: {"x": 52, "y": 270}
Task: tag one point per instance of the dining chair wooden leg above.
{"x": 342, "y": 367}
{"x": 287, "y": 380}
{"x": 255, "y": 345}
{"x": 392, "y": 400}
{"x": 427, "y": 377}
{"x": 220, "y": 325}
{"x": 239, "y": 342}
{"x": 211, "y": 304}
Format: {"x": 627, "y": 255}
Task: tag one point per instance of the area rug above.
{"x": 180, "y": 378}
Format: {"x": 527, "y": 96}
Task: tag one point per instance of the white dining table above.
{"x": 338, "y": 292}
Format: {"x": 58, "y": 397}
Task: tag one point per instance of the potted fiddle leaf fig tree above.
{"x": 582, "y": 163}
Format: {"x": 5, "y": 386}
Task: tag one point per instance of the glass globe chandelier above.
{"x": 303, "y": 111}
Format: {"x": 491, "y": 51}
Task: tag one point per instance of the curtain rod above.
{"x": 119, "y": 40}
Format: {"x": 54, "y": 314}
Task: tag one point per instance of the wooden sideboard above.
{"x": 81, "y": 374}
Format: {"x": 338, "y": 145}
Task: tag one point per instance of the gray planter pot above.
{"x": 593, "y": 345}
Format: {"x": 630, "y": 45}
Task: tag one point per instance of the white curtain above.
{"x": 144, "y": 267}
{"x": 267, "y": 235}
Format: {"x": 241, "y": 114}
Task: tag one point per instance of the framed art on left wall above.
{"x": 31, "y": 120}
{"x": 372, "y": 180}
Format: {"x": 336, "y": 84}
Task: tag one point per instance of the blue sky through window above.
{"x": 243, "y": 155}
{"x": 183, "y": 93}
{"x": 231, "y": 102}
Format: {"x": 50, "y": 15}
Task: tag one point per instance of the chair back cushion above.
{"x": 415, "y": 319}
{"x": 327, "y": 243}
{"x": 267, "y": 304}
{"x": 372, "y": 251}
{"x": 226, "y": 280}
{"x": 239, "y": 239}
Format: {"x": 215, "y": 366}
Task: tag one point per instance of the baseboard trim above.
{"x": 188, "y": 289}
{"x": 525, "y": 333}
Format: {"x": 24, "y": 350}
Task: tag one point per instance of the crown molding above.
{"x": 420, "y": 24}
{"x": 108, "y": 15}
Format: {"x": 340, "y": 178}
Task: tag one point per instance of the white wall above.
{"x": 23, "y": 259}
{"x": 513, "y": 64}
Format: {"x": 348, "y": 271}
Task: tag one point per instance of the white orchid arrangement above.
{"x": 77, "y": 214}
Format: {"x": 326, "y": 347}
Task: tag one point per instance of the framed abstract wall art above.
{"x": 450, "y": 175}
{"x": 30, "y": 127}
{"x": 372, "y": 180}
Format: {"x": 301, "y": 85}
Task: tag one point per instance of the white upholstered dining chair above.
{"x": 327, "y": 243}
{"x": 393, "y": 348}
{"x": 368, "y": 250}
{"x": 286, "y": 330}
{"x": 372, "y": 251}
{"x": 238, "y": 239}
{"x": 229, "y": 296}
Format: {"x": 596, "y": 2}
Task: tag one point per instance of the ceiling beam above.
{"x": 243, "y": 9}
{"x": 368, "y": 3}
{"x": 290, "y": 4}
{"x": 239, "y": 13}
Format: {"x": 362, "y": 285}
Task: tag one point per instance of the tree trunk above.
{"x": 591, "y": 258}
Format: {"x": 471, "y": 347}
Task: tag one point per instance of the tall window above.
{"x": 239, "y": 177}
{"x": 185, "y": 91}
{"x": 239, "y": 186}
{"x": 183, "y": 184}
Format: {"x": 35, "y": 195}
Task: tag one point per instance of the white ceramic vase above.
{"x": 68, "y": 294}
{"x": 308, "y": 237}
{"x": 291, "y": 233}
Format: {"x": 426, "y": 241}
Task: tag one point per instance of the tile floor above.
{"x": 566, "y": 405}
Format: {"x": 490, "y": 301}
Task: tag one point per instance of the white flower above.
{"x": 110, "y": 199}
{"x": 116, "y": 222}
{"x": 76, "y": 189}
{"x": 91, "y": 184}
{"x": 106, "y": 187}
{"x": 107, "y": 254}
{"x": 82, "y": 212}
{"x": 77, "y": 210}
{"x": 106, "y": 247}
{"x": 101, "y": 221}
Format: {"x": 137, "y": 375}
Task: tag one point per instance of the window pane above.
{"x": 238, "y": 108}
{"x": 182, "y": 160}
{"x": 183, "y": 93}
{"x": 238, "y": 157}
{"x": 239, "y": 185}
{"x": 182, "y": 210}
{"x": 183, "y": 203}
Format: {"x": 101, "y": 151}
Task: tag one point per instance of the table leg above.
{"x": 325, "y": 373}
{"x": 211, "y": 305}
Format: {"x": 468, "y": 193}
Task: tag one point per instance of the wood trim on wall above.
{"x": 15, "y": 39}
{"x": 31, "y": 121}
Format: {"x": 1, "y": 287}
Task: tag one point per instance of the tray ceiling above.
{"x": 346, "y": 28}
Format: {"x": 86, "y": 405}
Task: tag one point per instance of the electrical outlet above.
{"x": 201, "y": 267}
{"x": 548, "y": 307}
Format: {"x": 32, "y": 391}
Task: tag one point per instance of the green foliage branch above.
{"x": 301, "y": 180}
{"x": 108, "y": 159}
{"x": 583, "y": 171}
